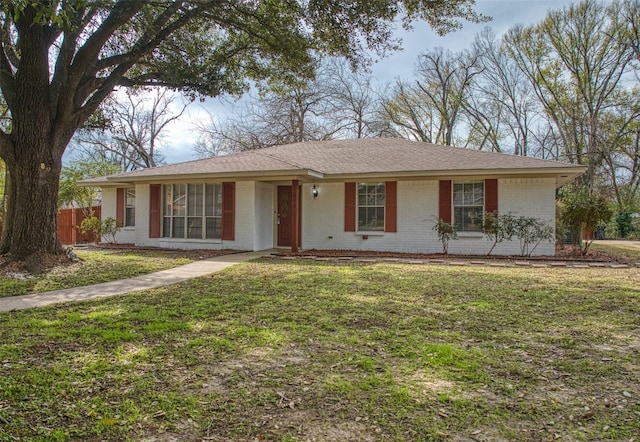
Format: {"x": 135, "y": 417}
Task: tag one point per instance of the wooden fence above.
{"x": 69, "y": 226}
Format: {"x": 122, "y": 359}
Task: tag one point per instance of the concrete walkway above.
{"x": 144, "y": 282}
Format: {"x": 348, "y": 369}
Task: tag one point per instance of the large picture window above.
{"x": 130, "y": 207}
{"x": 468, "y": 206}
{"x": 371, "y": 203}
{"x": 192, "y": 211}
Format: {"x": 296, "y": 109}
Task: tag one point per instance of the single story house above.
{"x": 380, "y": 194}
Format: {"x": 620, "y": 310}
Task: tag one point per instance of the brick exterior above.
{"x": 322, "y": 223}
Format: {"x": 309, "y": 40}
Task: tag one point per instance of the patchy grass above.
{"x": 627, "y": 253}
{"x": 96, "y": 266}
{"x": 296, "y": 351}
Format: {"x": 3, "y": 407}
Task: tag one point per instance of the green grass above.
{"x": 95, "y": 267}
{"x": 296, "y": 351}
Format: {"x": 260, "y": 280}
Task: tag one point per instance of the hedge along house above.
{"x": 379, "y": 194}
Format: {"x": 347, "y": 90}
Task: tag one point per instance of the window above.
{"x": 130, "y": 207}
{"x": 468, "y": 206}
{"x": 371, "y": 202}
{"x": 192, "y": 211}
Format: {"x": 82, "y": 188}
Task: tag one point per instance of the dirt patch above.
{"x": 573, "y": 253}
{"x": 32, "y": 265}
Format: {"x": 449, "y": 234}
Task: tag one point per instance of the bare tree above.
{"x": 133, "y": 130}
{"x": 354, "y": 101}
{"x": 445, "y": 79}
{"x": 431, "y": 108}
{"x": 501, "y": 104}
{"x": 338, "y": 103}
{"x": 630, "y": 13}
{"x": 407, "y": 114}
{"x": 576, "y": 64}
{"x": 621, "y": 163}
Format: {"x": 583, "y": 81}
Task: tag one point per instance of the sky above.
{"x": 182, "y": 135}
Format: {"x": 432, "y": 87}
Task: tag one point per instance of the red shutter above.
{"x": 228, "y": 211}
{"x": 349, "y": 207}
{"x": 391, "y": 206}
{"x": 491, "y": 196}
{"x": 120, "y": 207}
{"x": 155, "y": 202}
{"x": 445, "y": 201}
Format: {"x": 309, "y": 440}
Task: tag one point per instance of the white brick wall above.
{"x": 126, "y": 235}
{"x": 323, "y": 218}
{"x": 533, "y": 197}
{"x": 245, "y": 217}
{"x": 109, "y": 195}
{"x": 141, "y": 230}
{"x": 265, "y": 215}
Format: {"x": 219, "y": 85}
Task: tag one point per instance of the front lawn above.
{"x": 96, "y": 266}
{"x": 624, "y": 252}
{"x": 298, "y": 350}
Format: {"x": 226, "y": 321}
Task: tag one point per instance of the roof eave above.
{"x": 562, "y": 175}
{"x": 94, "y": 182}
{"x": 271, "y": 175}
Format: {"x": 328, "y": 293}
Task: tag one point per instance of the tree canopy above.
{"x": 73, "y": 195}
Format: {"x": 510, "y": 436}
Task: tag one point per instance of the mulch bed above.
{"x": 571, "y": 254}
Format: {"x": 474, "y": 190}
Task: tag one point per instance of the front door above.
{"x": 285, "y": 220}
{"x": 284, "y": 216}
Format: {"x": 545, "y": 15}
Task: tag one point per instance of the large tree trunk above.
{"x": 32, "y": 153}
{"x": 31, "y": 227}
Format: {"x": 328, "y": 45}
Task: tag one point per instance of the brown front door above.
{"x": 285, "y": 218}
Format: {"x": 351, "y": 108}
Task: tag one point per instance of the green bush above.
{"x": 107, "y": 228}
{"x": 498, "y": 228}
{"x": 579, "y": 210}
{"x": 624, "y": 223}
{"x": 446, "y": 232}
{"x": 530, "y": 231}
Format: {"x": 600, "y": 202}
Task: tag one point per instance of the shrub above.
{"x": 91, "y": 226}
{"x": 531, "y": 231}
{"x": 579, "y": 210}
{"x": 445, "y": 232}
{"x": 498, "y": 228}
{"x": 107, "y": 228}
{"x": 624, "y": 223}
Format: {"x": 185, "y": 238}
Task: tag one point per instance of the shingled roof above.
{"x": 340, "y": 159}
